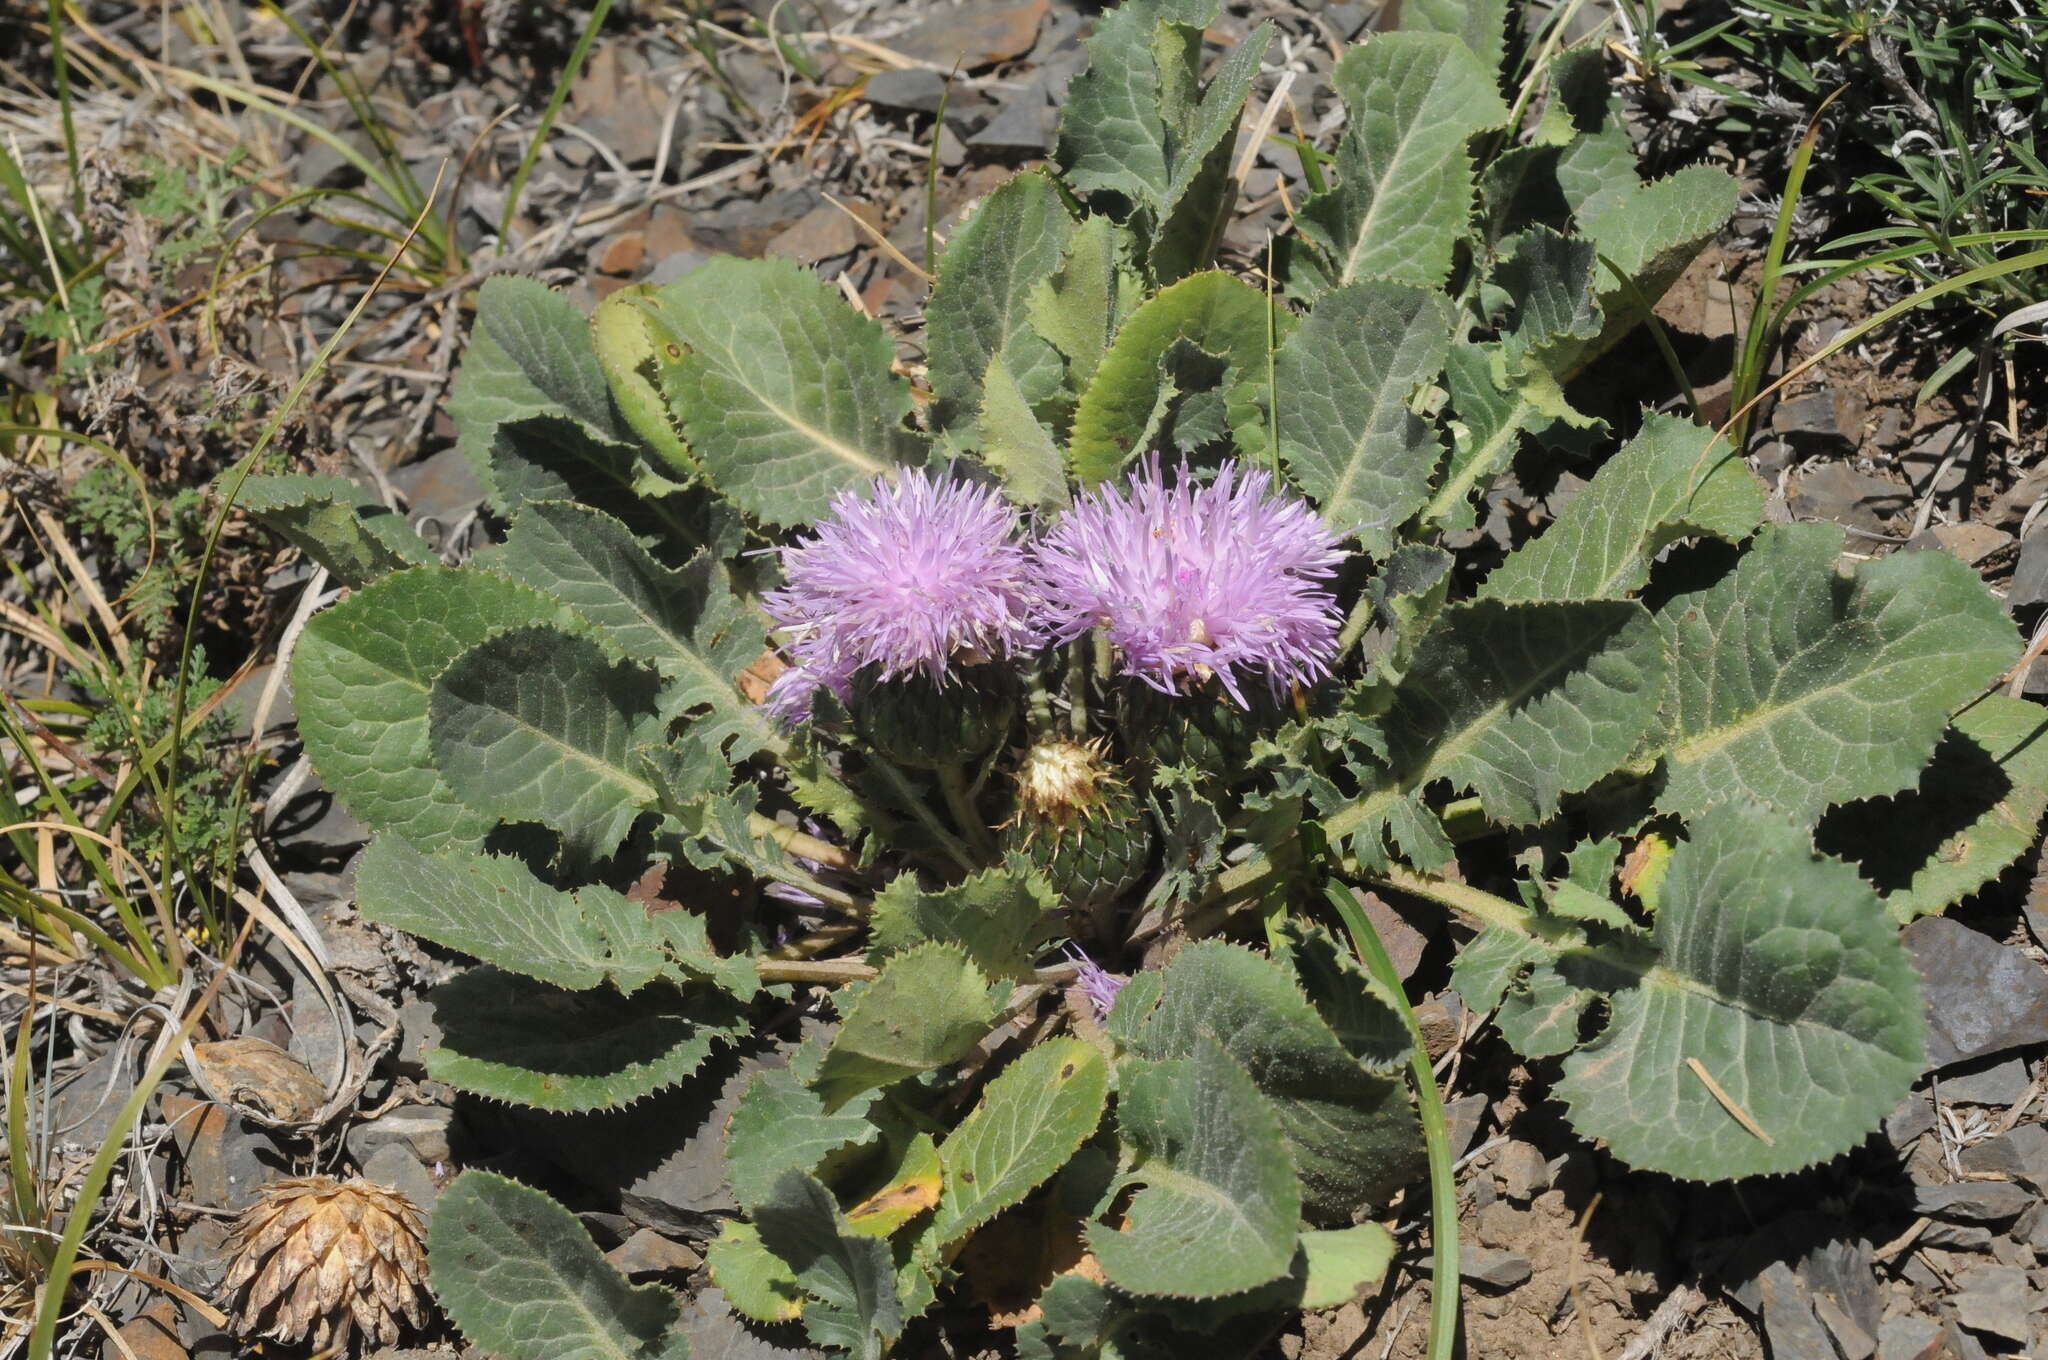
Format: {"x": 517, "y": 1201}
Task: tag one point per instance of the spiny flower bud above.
{"x": 1080, "y": 823}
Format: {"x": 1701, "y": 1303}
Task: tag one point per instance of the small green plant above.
{"x": 1145, "y": 620}
{"x": 1935, "y": 123}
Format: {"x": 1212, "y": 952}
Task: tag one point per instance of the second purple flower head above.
{"x": 1229, "y": 579}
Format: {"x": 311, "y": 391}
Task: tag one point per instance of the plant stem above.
{"x": 955, "y": 849}
{"x": 1436, "y": 1132}
{"x": 960, "y": 802}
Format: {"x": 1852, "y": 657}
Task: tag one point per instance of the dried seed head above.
{"x": 315, "y": 1259}
{"x": 1059, "y": 781}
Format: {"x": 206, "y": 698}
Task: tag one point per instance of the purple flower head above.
{"x": 1093, "y": 982}
{"x": 912, "y": 575}
{"x": 1193, "y": 580}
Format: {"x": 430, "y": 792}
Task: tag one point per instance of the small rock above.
{"x": 1789, "y": 1323}
{"x": 1838, "y": 493}
{"x": 2021, "y": 1153}
{"x": 423, "y": 1129}
{"x": 2000, "y": 1084}
{"x": 917, "y": 90}
{"x": 824, "y": 233}
{"x": 647, "y": 1252}
{"x": 1996, "y": 1300}
{"x": 1522, "y": 1172}
{"x": 394, "y": 1167}
{"x": 1850, "y": 1339}
{"x": 1972, "y": 1201}
{"x": 1982, "y": 997}
{"x": 153, "y": 1336}
{"x": 1914, "y": 1117}
{"x": 1970, "y": 542}
{"x": 1956, "y": 1237}
{"x": 979, "y": 33}
{"x": 1397, "y": 930}
{"x": 443, "y": 487}
{"x": 1810, "y": 420}
{"x": 2032, "y": 1227}
{"x": 2029, "y": 584}
{"x": 1023, "y": 124}
{"x": 226, "y": 1159}
{"x": 1495, "y": 1269}
{"x": 82, "y": 1110}
{"x": 622, "y": 253}
{"x": 1906, "y": 1336}
{"x": 1463, "y": 1116}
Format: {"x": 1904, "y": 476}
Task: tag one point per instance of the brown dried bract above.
{"x": 315, "y": 1260}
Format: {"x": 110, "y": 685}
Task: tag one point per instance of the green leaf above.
{"x": 535, "y": 725}
{"x": 1000, "y": 916}
{"x": 530, "y": 355}
{"x": 1650, "y": 236}
{"x": 521, "y": 1278}
{"x": 1219, "y": 314}
{"x": 1798, "y": 687}
{"x": 1030, "y": 1122}
{"x": 1079, "y": 307}
{"x": 1344, "y": 383}
{"x": 1674, "y": 480}
{"x": 1220, "y": 1205}
{"x": 1352, "y": 1133}
{"x": 1138, "y": 124}
{"x": 851, "y": 1279}
{"x": 1347, "y": 998}
{"x": 757, "y": 1281}
{"x": 685, "y": 622}
{"x": 553, "y": 458}
{"x": 1341, "y": 1261}
{"x": 784, "y": 392}
{"x": 1976, "y": 809}
{"x": 1017, "y": 446}
{"x": 928, "y": 1007}
{"x": 362, "y": 673}
{"x": 337, "y": 523}
{"x": 1492, "y": 410}
{"x": 1780, "y": 973}
{"x": 1482, "y": 24}
{"x": 1404, "y": 186}
{"x": 516, "y": 1040}
{"x": 492, "y": 907}
{"x": 1010, "y": 246}
{"x": 781, "y": 1125}
{"x": 1522, "y": 703}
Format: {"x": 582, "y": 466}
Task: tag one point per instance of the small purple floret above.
{"x": 1095, "y": 983}
{"x": 1229, "y": 579}
{"x": 909, "y": 576}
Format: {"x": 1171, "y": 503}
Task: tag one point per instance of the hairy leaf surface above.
{"x": 1798, "y": 687}
{"x": 362, "y": 673}
{"x": 1215, "y": 1170}
{"x": 1404, "y": 186}
{"x": 784, "y": 392}
{"x": 522, "y": 1279}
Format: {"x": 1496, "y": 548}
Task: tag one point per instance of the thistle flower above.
{"x": 1188, "y": 581}
{"x": 910, "y": 577}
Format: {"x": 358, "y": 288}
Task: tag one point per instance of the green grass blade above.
{"x": 1436, "y": 1132}
{"x": 548, "y": 116}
